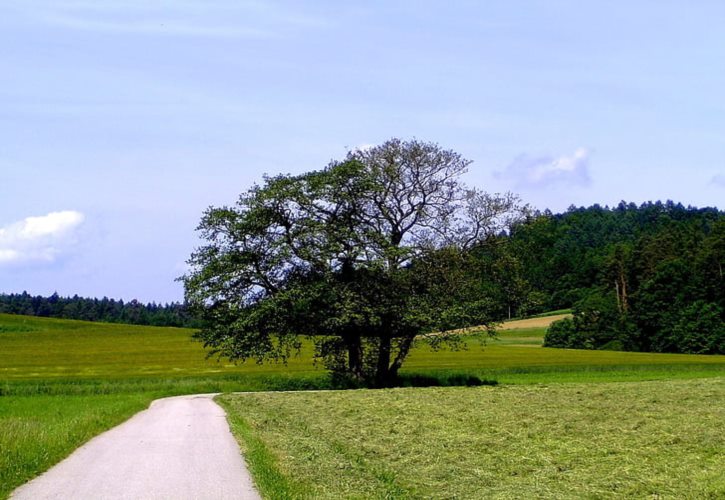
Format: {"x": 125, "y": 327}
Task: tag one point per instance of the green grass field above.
{"x": 62, "y": 381}
{"x": 39, "y": 431}
{"x": 37, "y": 352}
{"x": 663, "y": 439}
{"x": 51, "y": 349}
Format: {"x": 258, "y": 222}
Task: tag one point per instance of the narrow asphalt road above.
{"x": 179, "y": 448}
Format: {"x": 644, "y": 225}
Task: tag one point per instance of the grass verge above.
{"x": 38, "y": 431}
{"x": 261, "y": 463}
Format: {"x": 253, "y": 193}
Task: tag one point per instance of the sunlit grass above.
{"x": 38, "y": 431}
{"x": 61, "y": 381}
{"x": 46, "y": 348}
{"x": 612, "y": 440}
{"x": 70, "y": 352}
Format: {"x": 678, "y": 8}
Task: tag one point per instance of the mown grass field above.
{"x": 663, "y": 439}
{"x": 62, "y": 381}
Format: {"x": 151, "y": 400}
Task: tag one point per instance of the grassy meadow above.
{"x": 663, "y": 439}
{"x": 62, "y": 381}
{"x": 43, "y": 354}
{"x": 39, "y": 431}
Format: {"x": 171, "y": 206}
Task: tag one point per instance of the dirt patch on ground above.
{"x": 516, "y": 324}
{"x": 532, "y": 322}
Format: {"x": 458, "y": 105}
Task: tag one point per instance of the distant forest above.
{"x": 105, "y": 309}
{"x": 642, "y": 278}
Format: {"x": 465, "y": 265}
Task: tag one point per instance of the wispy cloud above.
{"x": 170, "y": 27}
{"x": 718, "y": 180}
{"x": 220, "y": 19}
{"x": 38, "y": 239}
{"x": 567, "y": 169}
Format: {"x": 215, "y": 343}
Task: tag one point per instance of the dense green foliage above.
{"x": 646, "y": 278}
{"x": 105, "y": 309}
{"x": 560, "y": 257}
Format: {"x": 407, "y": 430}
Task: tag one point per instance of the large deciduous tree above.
{"x": 363, "y": 257}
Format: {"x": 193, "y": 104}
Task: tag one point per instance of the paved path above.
{"x": 180, "y": 448}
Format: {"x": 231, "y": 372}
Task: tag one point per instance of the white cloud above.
{"x": 39, "y": 239}
{"x": 718, "y": 180}
{"x": 572, "y": 169}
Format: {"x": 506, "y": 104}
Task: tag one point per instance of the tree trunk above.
{"x": 383, "y": 371}
{"x": 355, "y": 356}
{"x": 620, "y": 285}
{"x": 402, "y": 354}
{"x": 619, "y": 301}
{"x": 352, "y": 339}
{"x": 623, "y": 289}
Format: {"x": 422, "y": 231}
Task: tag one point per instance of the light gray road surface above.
{"x": 180, "y": 448}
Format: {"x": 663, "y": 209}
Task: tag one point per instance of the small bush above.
{"x": 442, "y": 379}
{"x": 699, "y": 330}
{"x": 564, "y": 334}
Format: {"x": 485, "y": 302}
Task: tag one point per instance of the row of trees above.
{"x": 105, "y": 309}
{"x": 552, "y": 261}
{"x": 660, "y": 289}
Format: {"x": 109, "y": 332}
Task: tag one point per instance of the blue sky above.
{"x": 121, "y": 121}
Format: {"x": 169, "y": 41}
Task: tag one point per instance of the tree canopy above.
{"x": 363, "y": 257}
{"x": 658, "y": 290}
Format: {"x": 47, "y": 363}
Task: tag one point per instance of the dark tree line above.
{"x": 642, "y": 278}
{"x": 564, "y": 255}
{"x": 92, "y": 309}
